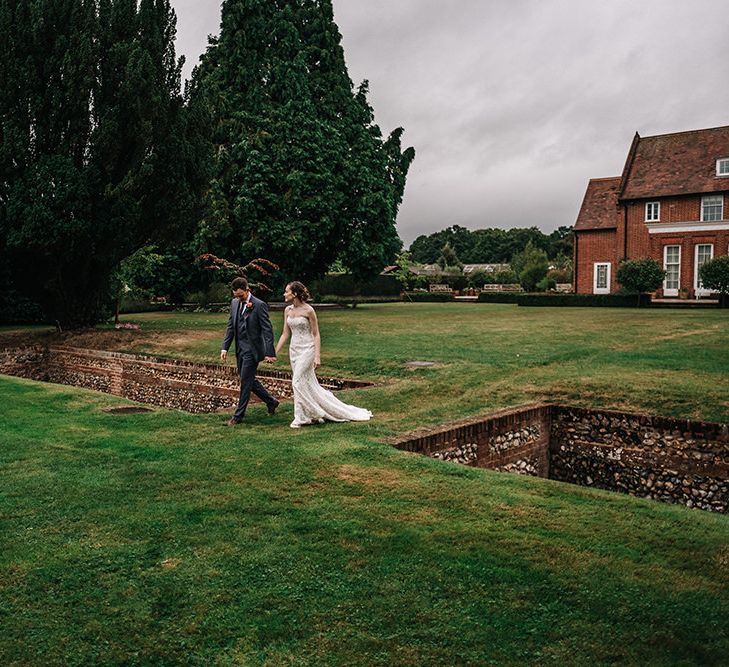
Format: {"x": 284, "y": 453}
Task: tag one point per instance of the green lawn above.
{"x": 166, "y": 538}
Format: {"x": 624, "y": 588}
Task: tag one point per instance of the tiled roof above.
{"x": 676, "y": 164}
{"x": 599, "y": 206}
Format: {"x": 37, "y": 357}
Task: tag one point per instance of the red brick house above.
{"x": 670, "y": 203}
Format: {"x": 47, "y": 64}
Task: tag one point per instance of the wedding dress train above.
{"x": 312, "y": 403}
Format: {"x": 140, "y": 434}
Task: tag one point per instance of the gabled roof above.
{"x": 599, "y": 207}
{"x": 675, "y": 164}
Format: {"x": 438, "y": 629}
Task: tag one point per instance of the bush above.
{"x": 715, "y": 275}
{"x": 560, "y": 275}
{"x": 216, "y": 293}
{"x": 430, "y": 297}
{"x": 141, "y": 306}
{"x": 506, "y": 277}
{"x": 531, "y": 265}
{"x": 598, "y": 300}
{"x": 16, "y": 309}
{"x": 354, "y": 301}
{"x": 478, "y": 278}
{"x": 456, "y": 281}
{"x": 546, "y": 284}
{"x": 499, "y": 297}
{"x": 343, "y": 284}
{"x": 640, "y": 275}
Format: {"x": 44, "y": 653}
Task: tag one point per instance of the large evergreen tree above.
{"x": 98, "y": 154}
{"x": 303, "y": 175}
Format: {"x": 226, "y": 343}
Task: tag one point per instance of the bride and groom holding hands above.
{"x": 250, "y": 327}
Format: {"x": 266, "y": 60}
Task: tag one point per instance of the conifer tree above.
{"x": 302, "y": 173}
{"x": 98, "y": 154}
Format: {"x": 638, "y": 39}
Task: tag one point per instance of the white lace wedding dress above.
{"x": 312, "y": 403}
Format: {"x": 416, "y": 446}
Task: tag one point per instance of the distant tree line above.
{"x": 490, "y": 246}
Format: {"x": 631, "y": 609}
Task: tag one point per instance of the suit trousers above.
{"x": 247, "y": 365}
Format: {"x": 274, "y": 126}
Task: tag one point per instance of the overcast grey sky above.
{"x": 512, "y": 105}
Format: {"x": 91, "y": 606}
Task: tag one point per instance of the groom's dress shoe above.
{"x": 232, "y": 422}
{"x": 272, "y": 408}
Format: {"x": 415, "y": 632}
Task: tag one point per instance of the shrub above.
{"x": 499, "y": 297}
{"x": 505, "y": 277}
{"x": 560, "y": 275}
{"x": 427, "y": 296}
{"x": 715, "y": 275}
{"x": 640, "y": 275}
{"x": 344, "y": 284}
{"x": 354, "y": 301}
{"x": 599, "y": 300}
{"x": 531, "y": 265}
{"x": 141, "y": 306}
{"x": 456, "y": 281}
{"x": 545, "y": 284}
{"x": 479, "y": 278}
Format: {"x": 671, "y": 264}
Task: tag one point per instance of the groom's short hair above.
{"x": 239, "y": 283}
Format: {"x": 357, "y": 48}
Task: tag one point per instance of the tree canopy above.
{"x": 640, "y": 275}
{"x": 302, "y": 175}
{"x": 485, "y": 246}
{"x": 98, "y": 155}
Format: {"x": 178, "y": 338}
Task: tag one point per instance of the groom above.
{"x": 250, "y": 326}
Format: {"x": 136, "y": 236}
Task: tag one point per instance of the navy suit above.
{"x": 250, "y": 328}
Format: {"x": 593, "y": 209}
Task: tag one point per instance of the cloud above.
{"x": 513, "y": 106}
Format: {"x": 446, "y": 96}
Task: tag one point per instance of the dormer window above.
{"x": 653, "y": 211}
{"x": 722, "y": 167}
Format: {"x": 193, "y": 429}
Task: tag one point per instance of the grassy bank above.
{"x": 166, "y": 538}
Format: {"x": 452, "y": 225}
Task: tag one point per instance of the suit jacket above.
{"x": 258, "y": 327}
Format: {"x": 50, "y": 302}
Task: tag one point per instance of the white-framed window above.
{"x": 601, "y": 278}
{"x": 672, "y": 265}
{"x": 722, "y": 166}
{"x": 653, "y": 211}
{"x": 703, "y": 253}
{"x": 712, "y": 208}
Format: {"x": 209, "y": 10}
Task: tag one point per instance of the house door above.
{"x": 704, "y": 252}
{"x": 672, "y": 266}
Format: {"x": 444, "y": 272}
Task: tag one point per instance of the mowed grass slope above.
{"x": 166, "y": 538}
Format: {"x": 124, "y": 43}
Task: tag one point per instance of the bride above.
{"x": 312, "y": 403}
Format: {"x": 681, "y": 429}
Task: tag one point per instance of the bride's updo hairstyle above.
{"x": 299, "y": 291}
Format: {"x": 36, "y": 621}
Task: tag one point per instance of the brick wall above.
{"x": 513, "y": 440}
{"x": 670, "y": 460}
{"x": 599, "y": 245}
{"x": 612, "y": 245}
{"x": 168, "y": 383}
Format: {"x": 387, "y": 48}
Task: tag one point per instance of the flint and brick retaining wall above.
{"x": 671, "y": 460}
{"x": 512, "y": 440}
{"x": 674, "y": 460}
{"x": 168, "y": 383}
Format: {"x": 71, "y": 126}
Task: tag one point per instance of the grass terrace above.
{"x": 167, "y": 538}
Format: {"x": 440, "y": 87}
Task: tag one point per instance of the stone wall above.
{"x": 670, "y": 460}
{"x": 169, "y": 383}
{"x": 515, "y": 440}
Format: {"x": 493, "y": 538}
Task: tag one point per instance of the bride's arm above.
{"x": 313, "y": 322}
{"x": 285, "y": 332}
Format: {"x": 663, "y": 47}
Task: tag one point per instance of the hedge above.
{"x": 499, "y": 297}
{"x": 429, "y": 297}
{"x": 599, "y": 300}
{"x": 342, "y": 284}
{"x": 356, "y": 300}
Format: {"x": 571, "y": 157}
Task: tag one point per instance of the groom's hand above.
{"x": 223, "y": 355}
{"x": 269, "y": 360}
